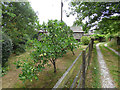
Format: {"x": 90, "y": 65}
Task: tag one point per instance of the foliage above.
{"x": 109, "y": 37}
{"x": 5, "y": 69}
{"x": 18, "y": 22}
{"x": 96, "y": 41}
{"x": 28, "y": 70}
{"x": 95, "y": 12}
{"x": 109, "y": 25}
{"x": 116, "y": 34}
{"x": 6, "y": 48}
{"x": 35, "y": 36}
{"x": 112, "y": 43}
{"x": 85, "y": 40}
{"x": 99, "y": 37}
{"x": 53, "y": 46}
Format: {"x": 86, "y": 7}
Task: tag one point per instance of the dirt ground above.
{"x": 12, "y": 76}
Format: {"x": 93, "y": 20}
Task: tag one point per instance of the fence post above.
{"x": 89, "y": 52}
{"x": 92, "y": 42}
{"x": 83, "y": 69}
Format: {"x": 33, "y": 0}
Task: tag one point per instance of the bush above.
{"x": 112, "y": 43}
{"x": 95, "y": 42}
{"x": 99, "y": 37}
{"x": 20, "y": 48}
{"x": 116, "y": 35}
{"x": 19, "y": 45}
{"x": 85, "y": 40}
{"x": 6, "y": 48}
{"x": 5, "y": 69}
{"x": 109, "y": 37}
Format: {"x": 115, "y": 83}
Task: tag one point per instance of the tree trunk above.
{"x": 73, "y": 52}
{"x": 118, "y": 40}
{"x": 54, "y": 66}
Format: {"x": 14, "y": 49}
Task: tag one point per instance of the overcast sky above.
{"x": 51, "y": 9}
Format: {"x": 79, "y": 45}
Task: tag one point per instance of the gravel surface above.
{"x": 105, "y": 76}
{"x": 112, "y": 49}
{"x": 0, "y": 83}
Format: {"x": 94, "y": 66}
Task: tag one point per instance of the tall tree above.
{"x": 109, "y": 25}
{"x": 94, "y": 11}
{"x": 18, "y": 22}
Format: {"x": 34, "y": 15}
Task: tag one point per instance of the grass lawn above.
{"x": 72, "y": 77}
{"x": 93, "y": 73}
{"x": 111, "y": 60}
{"x": 117, "y": 48}
{"x": 113, "y": 44}
{"x": 47, "y": 79}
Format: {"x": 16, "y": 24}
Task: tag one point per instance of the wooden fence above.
{"x": 86, "y": 54}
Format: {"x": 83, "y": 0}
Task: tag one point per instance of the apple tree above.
{"x": 53, "y": 45}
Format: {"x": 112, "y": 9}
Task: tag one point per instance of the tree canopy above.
{"x": 109, "y": 25}
{"x": 93, "y": 11}
{"x": 51, "y": 46}
{"x": 18, "y": 22}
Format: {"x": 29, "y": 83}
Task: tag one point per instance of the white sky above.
{"x": 51, "y": 9}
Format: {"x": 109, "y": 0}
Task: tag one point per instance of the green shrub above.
{"x": 112, "y": 43}
{"x": 5, "y": 69}
{"x": 95, "y": 42}
{"x": 85, "y": 40}
{"x": 109, "y": 37}
{"x": 99, "y": 37}
{"x": 115, "y": 35}
{"x": 6, "y": 48}
{"x": 20, "y": 48}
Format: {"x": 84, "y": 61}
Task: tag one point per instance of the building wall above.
{"x": 78, "y": 35}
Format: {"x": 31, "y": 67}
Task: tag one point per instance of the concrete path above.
{"x": 106, "y": 80}
{"x": 112, "y": 50}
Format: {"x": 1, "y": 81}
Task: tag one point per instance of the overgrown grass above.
{"x": 47, "y": 79}
{"x": 113, "y": 44}
{"x": 75, "y": 72}
{"x": 111, "y": 60}
{"x": 13, "y": 58}
{"x": 93, "y": 73}
{"x": 72, "y": 77}
{"x": 5, "y": 69}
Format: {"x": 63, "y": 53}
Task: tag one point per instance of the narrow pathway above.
{"x": 0, "y": 83}
{"x": 112, "y": 50}
{"x": 105, "y": 76}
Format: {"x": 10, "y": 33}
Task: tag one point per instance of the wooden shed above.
{"x": 78, "y": 32}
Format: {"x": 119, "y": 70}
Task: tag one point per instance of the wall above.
{"x": 78, "y": 35}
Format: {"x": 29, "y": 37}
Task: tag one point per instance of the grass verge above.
{"x": 47, "y": 79}
{"x": 13, "y": 57}
{"x": 113, "y": 44}
{"x": 111, "y": 60}
{"x": 93, "y": 73}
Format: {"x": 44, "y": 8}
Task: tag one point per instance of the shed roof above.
{"x": 76, "y": 29}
